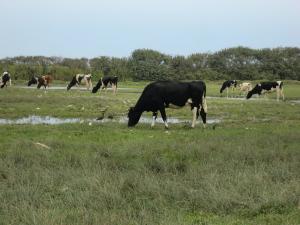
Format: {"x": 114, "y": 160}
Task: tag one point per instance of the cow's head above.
{"x": 234, "y": 83}
{"x": 88, "y": 77}
{"x": 33, "y": 80}
{"x": 256, "y": 90}
{"x": 133, "y": 117}
{"x": 98, "y": 85}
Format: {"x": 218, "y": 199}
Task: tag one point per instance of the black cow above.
{"x": 76, "y": 80}
{"x": 164, "y": 94}
{"x": 227, "y": 84}
{"x": 105, "y": 81}
{"x": 268, "y": 87}
{"x": 4, "y": 79}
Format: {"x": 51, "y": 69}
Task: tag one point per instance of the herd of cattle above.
{"x": 159, "y": 95}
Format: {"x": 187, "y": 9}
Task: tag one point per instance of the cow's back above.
{"x": 170, "y": 92}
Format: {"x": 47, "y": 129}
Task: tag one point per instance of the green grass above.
{"x": 244, "y": 170}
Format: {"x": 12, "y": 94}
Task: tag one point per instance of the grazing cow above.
{"x": 41, "y": 81}
{"x": 227, "y": 84}
{"x": 76, "y": 80}
{"x": 105, "y": 81}
{"x": 170, "y": 94}
{"x": 4, "y": 79}
{"x": 268, "y": 87}
{"x": 245, "y": 87}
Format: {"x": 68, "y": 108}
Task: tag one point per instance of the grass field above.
{"x": 243, "y": 170}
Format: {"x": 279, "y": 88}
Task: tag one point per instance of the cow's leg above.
{"x": 203, "y": 116}
{"x": 163, "y": 115}
{"x": 227, "y": 92}
{"x": 277, "y": 93}
{"x": 282, "y": 94}
{"x": 115, "y": 88}
{"x": 154, "y": 116}
{"x": 195, "y": 112}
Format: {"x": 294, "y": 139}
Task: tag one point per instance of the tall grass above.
{"x": 108, "y": 174}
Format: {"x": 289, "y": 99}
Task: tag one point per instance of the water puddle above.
{"x": 171, "y": 120}
{"x": 134, "y": 90}
{"x": 34, "y": 120}
{"x": 296, "y": 101}
{"x": 48, "y": 120}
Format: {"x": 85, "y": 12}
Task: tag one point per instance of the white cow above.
{"x": 244, "y": 88}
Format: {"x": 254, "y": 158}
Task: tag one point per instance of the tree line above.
{"x": 239, "y": 63}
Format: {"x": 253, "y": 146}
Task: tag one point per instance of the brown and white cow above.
{"x": 44, "y": 80}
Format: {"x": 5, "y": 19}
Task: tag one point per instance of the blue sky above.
{"x": 90, "y": 28}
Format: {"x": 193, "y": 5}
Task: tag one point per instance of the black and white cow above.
{"x": 4, "y": 79}
{"x": 268, "y": 87}
{"x": 170, "y": 94}
{"x": 78, "y": 78}
{"x": 41, "y": 81}
{"x": 105, "y": 81}
{"x": 228, "y": 84}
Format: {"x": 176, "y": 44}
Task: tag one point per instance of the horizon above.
{"x": 91, "y": 28}
{"x": 172, "y": 55}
